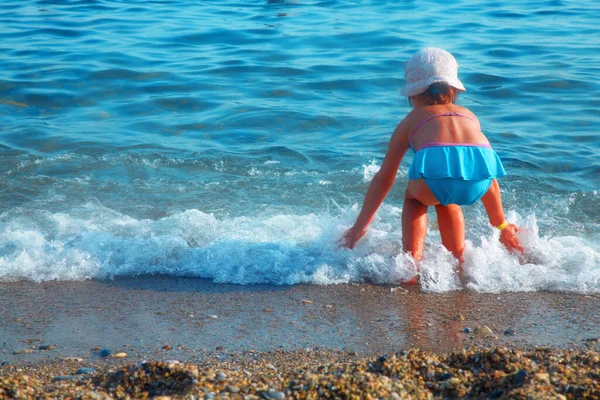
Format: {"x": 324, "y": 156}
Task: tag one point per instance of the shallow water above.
{"x": 234, "y": 141}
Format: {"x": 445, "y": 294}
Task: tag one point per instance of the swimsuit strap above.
{"x": 448, "y": 114}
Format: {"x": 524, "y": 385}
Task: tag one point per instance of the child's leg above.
{"x": 414, "y": 227}
{"x": 452, "y": 228}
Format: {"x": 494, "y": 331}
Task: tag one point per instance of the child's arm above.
{"x": 493, "y": 205}
{"x": 380, "y": 185}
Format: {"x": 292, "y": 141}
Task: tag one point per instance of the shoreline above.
{"x": 292, "y": 341}
{"x": 194, "y": 317}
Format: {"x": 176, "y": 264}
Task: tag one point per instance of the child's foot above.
{"x": 411, "y": 282}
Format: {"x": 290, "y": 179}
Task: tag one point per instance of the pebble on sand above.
{"x": 105, "y": 352}
{"x": 85, "y": 371}
{"x": 65, "y": 378}
{"x": 24, "y": 351}
{"x": 77, "y": 359}
{"x": 542, "y": 377}
{"x": 221, "y": 376}
{"x": 483, "y": 330}
{"x": 274, "y": 394}
{"x": 518, "y": 379}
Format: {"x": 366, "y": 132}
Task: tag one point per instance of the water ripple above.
{"x": 164, "y": 95}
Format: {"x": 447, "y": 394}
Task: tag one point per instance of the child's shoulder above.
{"x": 466, "y": 111}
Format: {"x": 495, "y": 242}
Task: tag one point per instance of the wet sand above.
{"x": 213, "y": 341}
{"x": 165, "y": 318}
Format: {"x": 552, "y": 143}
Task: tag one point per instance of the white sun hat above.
{"x": 428, "y": 66}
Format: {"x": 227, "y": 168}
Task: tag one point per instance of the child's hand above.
{"x": 351, "y": 237}
{"x": 508, "y": 237}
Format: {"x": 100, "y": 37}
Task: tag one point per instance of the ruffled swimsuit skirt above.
{"x": 457, "y": 174}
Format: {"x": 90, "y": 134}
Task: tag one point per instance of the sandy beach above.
{"x": 52, "y": 329}
{"x": 146, "y": 313}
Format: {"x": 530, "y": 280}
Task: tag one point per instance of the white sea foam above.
{"x": 96, "y": 242}
{"x": 369, "y": 171}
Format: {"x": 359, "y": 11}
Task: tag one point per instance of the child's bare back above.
{"x": 444, "y": 130}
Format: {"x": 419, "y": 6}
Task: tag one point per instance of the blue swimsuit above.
{"x": 456, "y": 173}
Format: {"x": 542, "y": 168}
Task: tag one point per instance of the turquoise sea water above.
{"x": 235, "y": 140}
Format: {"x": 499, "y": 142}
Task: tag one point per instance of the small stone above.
{"x": 96, "y": 348}
{"x": 449, "y": 383}
{"x": 483, "y": 330}
{"x": 274, "y": 394}
{"x": 459, "y": 317}
{"x": 510, "y": 332}
{"x": 518, "y": 379}
{"x": 221, "y": 376}
{"x": 328, "y": 305}
{"x": 209, "y": 396}
{"x": 268, "y": 310}
{"x": 395, "y": 396}
{"x": 77, "y": 359}
{"x": 467, "y": 330}
{"x": 24, "y": 351}
{"x": 46, "y": 347}
{"x": 65, "y": 378}
{"x": 105, "y": 353}
{"x": 219, "y": 348}
{"x": 306, "y": 301}
{"x": 232, "y": 389}
{"x": 166, "y": 347}
{"x": 85, "y": 371}
{"x": 3, "y": 363}
{"x": 445, "y": 376}
{"x": 213, "y": 316}
{"x": 542, "y": 377}
{"x": 311, "y": 379}
{"x": 120, "y": 355}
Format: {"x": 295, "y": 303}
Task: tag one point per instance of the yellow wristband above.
{"x": 502, "y": 225}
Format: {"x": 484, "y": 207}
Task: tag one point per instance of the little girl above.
{"x": 453, "y": 165}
